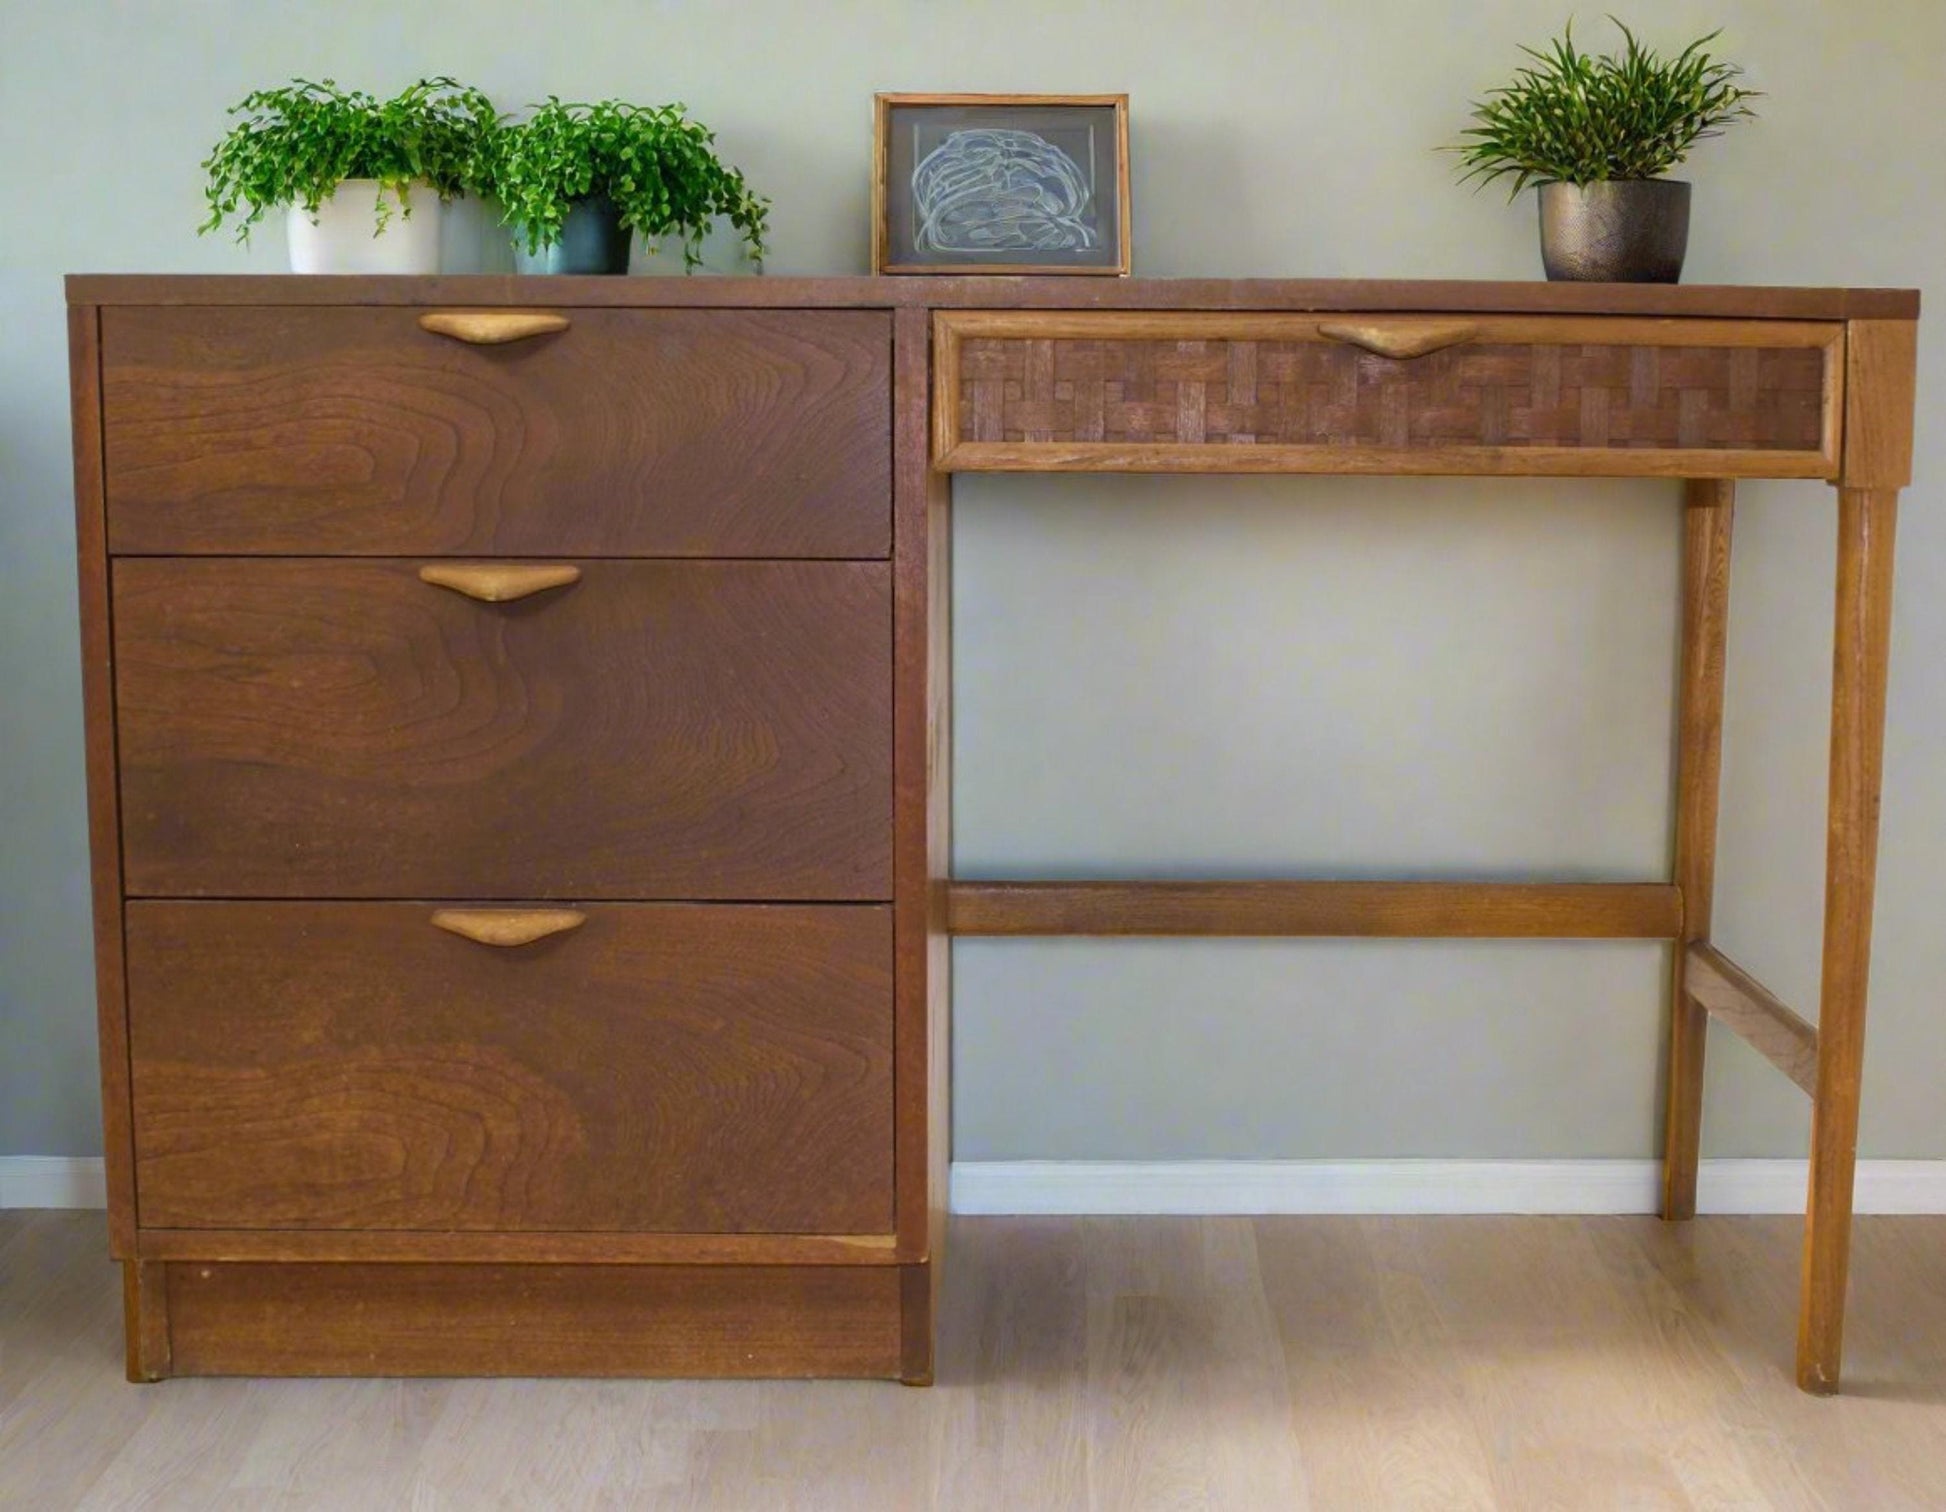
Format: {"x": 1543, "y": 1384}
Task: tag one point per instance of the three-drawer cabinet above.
{"x": 495, "y": 772}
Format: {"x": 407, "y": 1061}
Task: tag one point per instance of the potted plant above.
{"x": 362, "y": 179}
{"x": 574, "y": 181}
{"x": 1597, "y": 135}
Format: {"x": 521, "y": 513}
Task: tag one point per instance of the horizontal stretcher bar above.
{"x": 1409, "y": 910}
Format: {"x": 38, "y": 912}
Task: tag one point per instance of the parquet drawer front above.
{"x": 1249, "y": 392}
{"x": 689, "y": 1068}
{"x": 353, "y": 431}
{"x": 655, "y": 730}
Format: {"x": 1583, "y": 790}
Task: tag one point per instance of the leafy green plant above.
{"x": 1579, "y": 119}
{"x": 655, "y": 165}
{"x": 295, "y": 144}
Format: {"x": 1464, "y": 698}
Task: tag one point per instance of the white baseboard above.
{"x": 1418, "y": 1186}
{"x": 52, "y": 1181}
{"x": 1277, "y": 1186}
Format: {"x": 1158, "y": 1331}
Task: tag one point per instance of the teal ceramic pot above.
{"x": 594, "y": 240}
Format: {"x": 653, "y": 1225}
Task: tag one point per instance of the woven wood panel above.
{"x": 1320, "y": 393}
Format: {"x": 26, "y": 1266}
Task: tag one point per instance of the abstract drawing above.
{"x": 986, "y": 190}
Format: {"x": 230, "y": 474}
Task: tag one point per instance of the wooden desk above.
{"x": 1711, "y": 387}
{"x": 319, "y": 424}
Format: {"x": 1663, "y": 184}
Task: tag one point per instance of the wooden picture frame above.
{"x": 1102, "y": 117}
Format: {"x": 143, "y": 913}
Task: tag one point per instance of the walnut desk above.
{"x": 517, "y": 741}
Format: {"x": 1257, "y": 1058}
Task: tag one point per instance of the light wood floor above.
{"x": 1233, "y": 1364}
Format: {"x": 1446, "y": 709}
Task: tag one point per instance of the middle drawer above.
{"x": 656, "y": 729}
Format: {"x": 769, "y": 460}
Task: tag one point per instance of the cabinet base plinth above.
{"x": 342, "y": 1319}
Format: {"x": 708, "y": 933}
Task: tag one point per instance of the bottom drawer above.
{"x": 689, "y": 1068}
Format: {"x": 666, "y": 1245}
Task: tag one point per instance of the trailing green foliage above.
{"x": 294, "y": 145}
{"x": 655, "y": 165}
{"x": 1578, "y": 119}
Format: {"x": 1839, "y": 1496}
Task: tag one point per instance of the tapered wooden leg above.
{"x": 1867, "y": 519}
{"x": 1708, "y": 512}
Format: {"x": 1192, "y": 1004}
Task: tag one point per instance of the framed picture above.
{"x": 1000, "y": 184}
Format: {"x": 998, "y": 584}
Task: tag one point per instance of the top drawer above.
{"x": 1562, "y": 395}
{"x": 354, "y": 431}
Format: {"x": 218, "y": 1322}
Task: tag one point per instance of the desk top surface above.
{"x": 1723, "y": 301}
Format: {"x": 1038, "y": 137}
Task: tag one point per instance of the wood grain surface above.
{"x": 493, "y": 327}
{"x": 657, "y": 730}
{"x": 533, "y": 1320}
{"x": 352, "y": 431}
{"x": 1881, "y": 360}
{"x": 517, "y": 1247}
{"x": 1464, "y": 461}
{"x": 1417, "y": 910}
{"x": 1709, "y": 516}
{"x": 507, "y": 928}
{"x": 499, "y": 582}
{"x": 1200, "y": 381}
{"x": 1434, "y": 296}
{"x": 1753, "y": 1012}
{"x": 690, "y": 1068}
{"x": 317, "y": 1089}
{"x": 922, "y": 608}
{"x": 1861, "y": 647}
{"x": 99, "y": 765}
{"x": 145, "y": 1320}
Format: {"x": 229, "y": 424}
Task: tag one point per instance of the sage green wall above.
{"x": 1168, "y": 677}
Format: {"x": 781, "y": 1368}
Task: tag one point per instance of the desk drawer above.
{"x": 353, "y": 431}
{"x": 1386, "y": 393}
{"x": 683, "y": 1068}
{"x": 343, "y": 729}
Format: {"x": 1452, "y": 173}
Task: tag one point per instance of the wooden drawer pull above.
{"x": 492, "y": 327}
{"x": 508, "y": 926}
{"x": 496, "y": 583}
{"x": 1401, "y": 339}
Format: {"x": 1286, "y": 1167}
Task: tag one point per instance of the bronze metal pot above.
{"x": 1618, "y": 231}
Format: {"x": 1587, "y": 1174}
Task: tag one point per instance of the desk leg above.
{"x": 1708, "y": 512}
{"x": 1867, "y": 519}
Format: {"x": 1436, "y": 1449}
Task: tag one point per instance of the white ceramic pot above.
{"x": 345, "y": 238}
